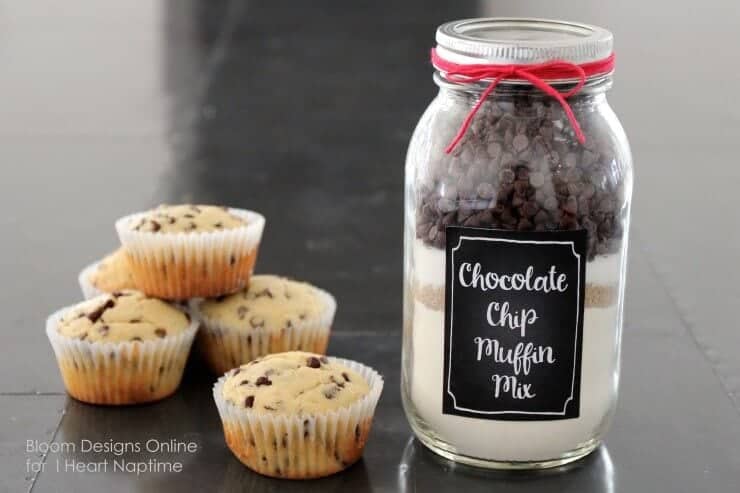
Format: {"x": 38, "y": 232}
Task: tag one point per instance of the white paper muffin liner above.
{"x": 301, "y": 446}
{"x": 178, "y": 266}
{"x": 120, "y": 372}
{"x": 225, "y": 347}
{"x": 89, "y": 290}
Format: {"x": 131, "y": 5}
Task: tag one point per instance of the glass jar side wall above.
{"x": 519, "y": 167}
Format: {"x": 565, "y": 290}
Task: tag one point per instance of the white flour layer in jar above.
{"x": 516, "y": 440}
{"x": 429, "y": 267}
{"x": 604, "y": 269}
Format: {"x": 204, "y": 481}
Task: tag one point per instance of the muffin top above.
{"x": 270, "y": 302}
{"x": 186, "y": 219}
{"x": 113, "y": 273}
{"x": 122, "y": 316}
{"x": 293, "y": 383}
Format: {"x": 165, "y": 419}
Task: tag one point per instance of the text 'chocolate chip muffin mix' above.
{"x": 182, "y": 276}
{"x": 518, "y": 186}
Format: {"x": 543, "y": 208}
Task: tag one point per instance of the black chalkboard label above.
{"x": 513, "y": 324}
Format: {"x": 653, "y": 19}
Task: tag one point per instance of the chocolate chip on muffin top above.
{"x": 186, "y": 219}
{"x": 293, "y": 383}
{"x": 270, "y": 302}
{"x": 122, "y": 316}
{"x": 113, "y": 273}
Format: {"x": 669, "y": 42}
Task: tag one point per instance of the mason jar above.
{"x": 517, "y": 200}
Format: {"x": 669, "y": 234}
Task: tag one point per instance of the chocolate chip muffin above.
{"x": 110, "y": 274}
{"x": 178, "y": 252}
{"x": 272, "y": 315}
{"x": 298, "y": 415}
{"x": 121, "y": 348}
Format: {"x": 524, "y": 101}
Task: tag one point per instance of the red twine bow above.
{"x": 535, "y": 74}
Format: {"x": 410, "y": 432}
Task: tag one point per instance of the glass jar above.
{"x": 515, "y": 247}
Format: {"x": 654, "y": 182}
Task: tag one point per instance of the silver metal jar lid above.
{"x": 502, "y": 40}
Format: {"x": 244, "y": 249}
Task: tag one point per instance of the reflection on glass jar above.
{"x": 420, "y": 470}
{"x": 520, "y": 179}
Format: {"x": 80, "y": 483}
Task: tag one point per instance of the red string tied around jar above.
{"x": 535, "y": 74}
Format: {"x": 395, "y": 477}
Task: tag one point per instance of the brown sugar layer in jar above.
{"x": 520, "y": 168}
{"x": 600, "y": 295}
{"x": 433, "y": 297}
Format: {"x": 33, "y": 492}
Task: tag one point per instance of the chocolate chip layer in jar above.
{"x": 515, "y": 249}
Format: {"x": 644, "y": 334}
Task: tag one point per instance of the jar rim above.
{"x": 521, "y": 40}
{"x": 594, "y": 84}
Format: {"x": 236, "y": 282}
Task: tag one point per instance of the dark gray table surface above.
{"x": 303, "y": 110}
